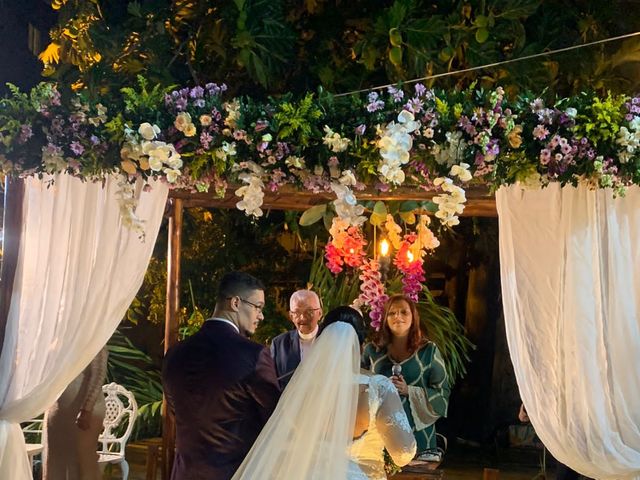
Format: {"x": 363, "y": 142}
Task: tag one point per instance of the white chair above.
{"x": 118, "y": 423}
{"x": 33, "y": 436}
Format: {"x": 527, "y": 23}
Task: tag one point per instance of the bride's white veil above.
{"x": 311, "y": 429}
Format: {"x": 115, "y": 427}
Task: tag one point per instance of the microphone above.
{"x": 396, "y": 370}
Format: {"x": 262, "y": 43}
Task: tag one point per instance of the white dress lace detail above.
{"x": 388, "y": 428}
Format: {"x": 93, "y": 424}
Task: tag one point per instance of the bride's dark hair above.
{"x": 347, "y": 315}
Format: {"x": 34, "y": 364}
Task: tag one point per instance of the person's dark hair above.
{"x": 385, "y": 336}
{"x": 237, "y": 283}
{"x": 347, "y": 315}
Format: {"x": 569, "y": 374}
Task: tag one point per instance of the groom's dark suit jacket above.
{"x": 222, "y": 388}
{"x": 285, "y": 350}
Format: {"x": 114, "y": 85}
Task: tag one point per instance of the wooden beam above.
{"x": 11, "y": 231}
{"x": 480, "y": 202}
{"x": 171, "y": 325}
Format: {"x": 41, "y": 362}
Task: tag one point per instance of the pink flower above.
{"x": 540, "y": 132}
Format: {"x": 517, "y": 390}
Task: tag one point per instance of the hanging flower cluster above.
{"x": 372, "y": 291}
{"x": 395, "y": 146}
{"x": 345, "y": 247}
{"x": 450, "y": 202}
{"x": 411, "y": 268}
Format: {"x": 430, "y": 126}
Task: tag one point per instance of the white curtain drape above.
{"x": 570, "y": 268}
{"x": 78, "y": 270}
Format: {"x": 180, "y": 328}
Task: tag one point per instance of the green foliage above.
{"x": 135, "y": 371}
{"x": 268, "y": 46}
{"x": 442, "y": 326}
{"x": 295, "y": 121}
{"x": 142, "y": 101}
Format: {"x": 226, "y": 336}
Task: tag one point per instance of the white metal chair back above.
{"x": 120, "y": 415}
{"x": 32, "y": 430}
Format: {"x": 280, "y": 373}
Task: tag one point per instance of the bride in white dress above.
{"x": 333, "y": 420}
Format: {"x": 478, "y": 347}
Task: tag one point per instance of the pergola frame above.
{"x": 480, "y": 203}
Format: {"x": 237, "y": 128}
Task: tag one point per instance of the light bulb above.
{"x": 384, "y": 247}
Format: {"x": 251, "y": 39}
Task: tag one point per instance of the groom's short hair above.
{"x": 237, "y": 284}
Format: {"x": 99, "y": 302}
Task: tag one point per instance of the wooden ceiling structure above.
{"x": 480, "y": 203}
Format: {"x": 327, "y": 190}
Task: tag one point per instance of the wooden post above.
{"x": 171, "y": 326}
{"x": 12, "y": 228}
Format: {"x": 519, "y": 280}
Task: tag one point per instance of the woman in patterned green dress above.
{"x": 423, "y": 383}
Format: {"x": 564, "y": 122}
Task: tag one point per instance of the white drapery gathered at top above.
{"x": 570, "y": 268}
{"x": 78, "y": 270}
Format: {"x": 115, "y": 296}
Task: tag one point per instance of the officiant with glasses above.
{"x": 289, "y": 349}
{"x": 416, "y": 368}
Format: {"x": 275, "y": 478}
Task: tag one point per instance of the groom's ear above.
{"x": 234, "y": 303}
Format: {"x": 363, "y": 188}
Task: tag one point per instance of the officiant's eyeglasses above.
{"x": 304, "y": 313}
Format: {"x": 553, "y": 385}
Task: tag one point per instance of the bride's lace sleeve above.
{"x": 392, "y": 423}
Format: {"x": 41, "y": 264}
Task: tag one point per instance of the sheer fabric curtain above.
{"x": 570, "y": 267}
{"x": 78, "y": 270}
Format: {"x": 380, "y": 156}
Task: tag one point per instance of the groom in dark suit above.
{"x": 289, "y": 348}
{"x": 221, "y": 386}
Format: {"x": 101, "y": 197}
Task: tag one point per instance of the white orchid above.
{"x": 172, "y": 174}
{"x": 127, "y": 202}
{"x": 334, "y": 141}
{"x": 252, "y": 194}
{"x": 395, "y": 144}
{"x": 461, "y": 171}
{"x": 347, "y": 178}
{"x": 346, "y": 205}
{"x": 450, "y": 202}
{"x": 630, "y": 140}
{"x": 148, "y": 131}
{"x": 449, "y": 153}
{"x": 406, "y": 118}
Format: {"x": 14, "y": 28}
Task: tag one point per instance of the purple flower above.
{"x": 396, "y": 93}
{"x": 196, "y": 92}
{"x": 181, "y": 104}
{"x": 76, "y": 148}
{"x": 375, "y": 104}
{"x": 414, "y": 105}
{"x": 94, "y": 140}
{"x": 199, "y": 102}
{"x": 420, "y": 89}
{"x": 25, "y": 133}
{"x": 360, "y": 129}
{"x": 212, "y": 89}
